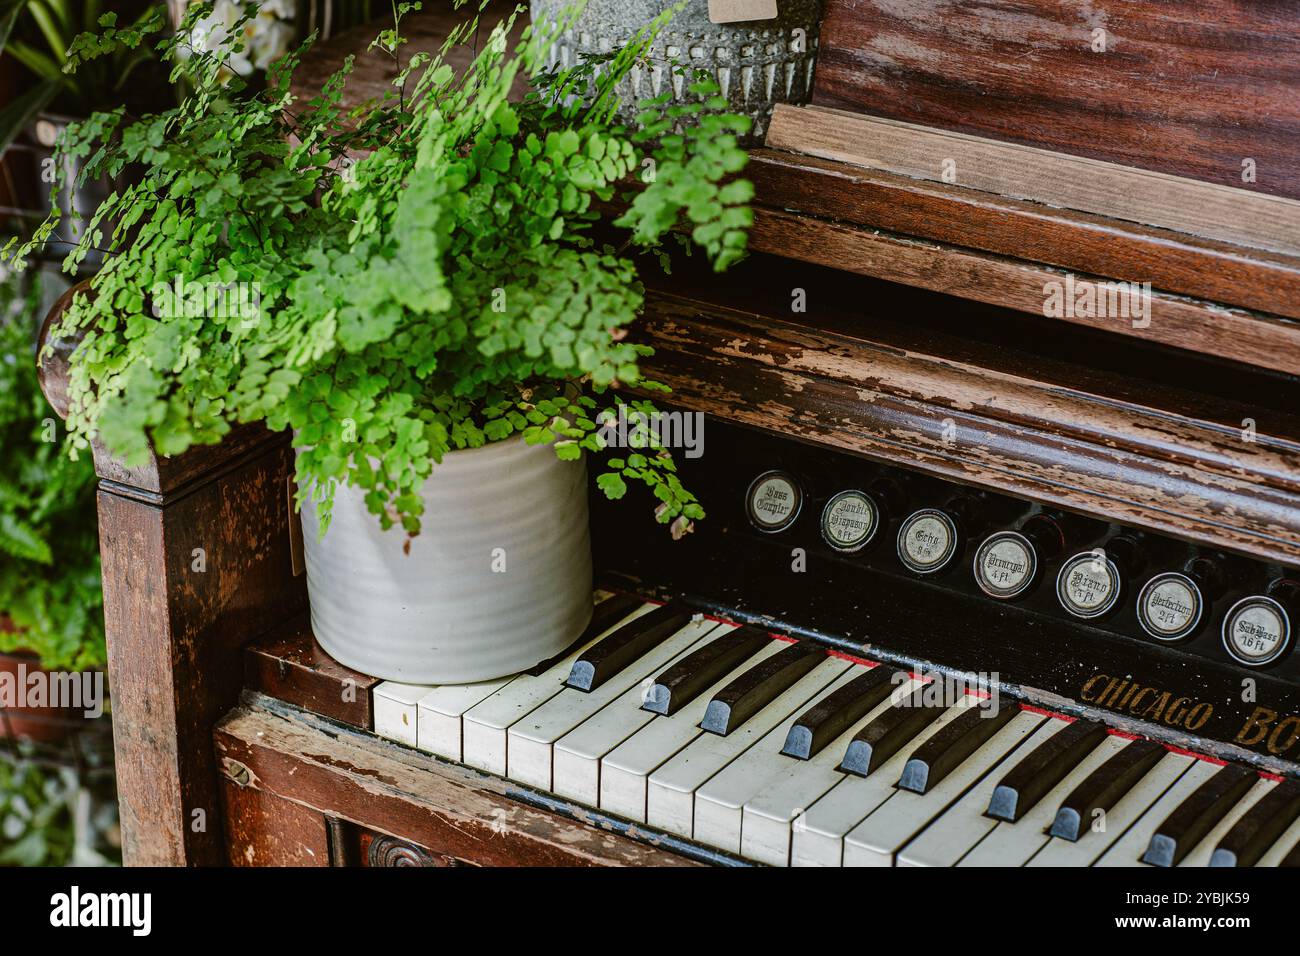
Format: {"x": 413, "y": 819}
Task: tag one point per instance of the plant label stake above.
{"x": 729, "y": 11}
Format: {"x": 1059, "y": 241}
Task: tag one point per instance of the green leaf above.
{"x": 612, "y": 485}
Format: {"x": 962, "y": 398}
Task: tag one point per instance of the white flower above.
{"x": 265, "y": 37}
{"x": 278, "y": 8}
{"x": 268, "y": 40}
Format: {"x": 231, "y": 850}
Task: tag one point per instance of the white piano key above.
{"x": 670, "y": 798}
{"x": 531, "y": 740}
{"x": 1013, "y": 844}
{"x": 1118, "y": 819}
{"x": 1128, "y": 849}
{"x": 395, "y": 711}
{"x": 625, "y": 771}
{"x": 439, "y": 713}
{"x": 484, "y": 725}
{"x": 577, "y": 757}
{"x": 817, "y": 834}
{"x": 877, "y": 839}
{"x": 906, "y": 820}
{"x": 719, "y": 803}
{"x": 768, "y": 816}
{"x": 1201, "y": 853}
{"x": 962, "y": 825}
{"x": 1283, "y": 845}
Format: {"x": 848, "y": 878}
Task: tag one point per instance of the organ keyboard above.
{"x": 991, "y": 573}
{"x": 793, "y": 780}
{"x": 716, "y": 724}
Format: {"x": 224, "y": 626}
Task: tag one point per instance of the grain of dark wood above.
{"x": 1193, "y": 324}
{"x": 1255, "y": 220}
{"x": 174, "y": 634}
{"x": 1084, "y": 243}
{"x": 1187, "y": 87}
{"x": 265, "y": 830}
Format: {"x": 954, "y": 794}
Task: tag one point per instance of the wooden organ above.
{"x": 1005, "y": 398}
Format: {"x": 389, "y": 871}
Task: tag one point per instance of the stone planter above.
{"x": 498, "y": 580}
{"x": 756, "y": 63}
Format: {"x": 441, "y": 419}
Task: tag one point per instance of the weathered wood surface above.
{"x": 1197, "y": 325}
{"x": 1129, "y": 451}
{"x": 959, "y": 216}
{"x": 1187, "y": 87}
{"x": 425, "y": 32}
{"x": 195, "y": 557}
{"x": 1214, "y": 211}
{"x": 187, "y": 582}
{"x": 289, "y": 665}
{"x": 451, "y": 810}
{"x": 265, "y": 830}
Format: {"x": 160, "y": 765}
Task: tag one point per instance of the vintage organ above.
{"x": 929, "y": 476}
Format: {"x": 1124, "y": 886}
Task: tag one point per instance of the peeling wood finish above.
{"x": 1151, "y": 466}
{"x": 1249, "y": 219}
{"x": 1018, "y": 284}
{"x": 174, "y": 634}
{"x": 1067, "y": 239}
{"x": 289, "y": 665}
{"x": 1186, "y": 87}
{"x": 265, "y": 830}
{"x": 450, "y": 810}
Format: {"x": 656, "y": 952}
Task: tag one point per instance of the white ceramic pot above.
{"x": 498, "y": 579}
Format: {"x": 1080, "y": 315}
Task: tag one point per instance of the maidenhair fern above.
{"x": 432, "y": 270}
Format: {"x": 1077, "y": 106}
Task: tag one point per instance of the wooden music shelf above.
{"x": 1208, "y": 295}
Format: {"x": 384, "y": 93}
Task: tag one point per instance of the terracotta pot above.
{"x": 498, "y": 580}
{"x": 45, "y": 724}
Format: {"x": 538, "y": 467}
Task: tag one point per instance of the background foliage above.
{"x": 49, "y": 575}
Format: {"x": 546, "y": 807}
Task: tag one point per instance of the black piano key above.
{"x": 1104, "y": 787}
{"x": 685, "y": 680}
{"x": 1197, "y": 815}
{"x": 1030, "y": 780}
{"x": 603, "y": 616}
{"x": 610, "y": 611}
{"x": 887, "y": 734}
{"x": 759, "y": 686}
{"x": 822, "y": 723}
{"x": 610, "y": 655}
{"x": 1252, "y": 835}
{"x": 950, "y": 746}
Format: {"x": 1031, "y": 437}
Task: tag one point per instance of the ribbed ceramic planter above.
{"x": 756, "y": 63}
{"x": 498, "y": 579}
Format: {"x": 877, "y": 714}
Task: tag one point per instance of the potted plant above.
{"x": 441, "y": 323}
{"x": 50, "y": 598}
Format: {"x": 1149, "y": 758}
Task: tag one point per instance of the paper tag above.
{"x": 729, "y": 11}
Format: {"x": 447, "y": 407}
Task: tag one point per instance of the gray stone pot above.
{"x": 756, "y": 63}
